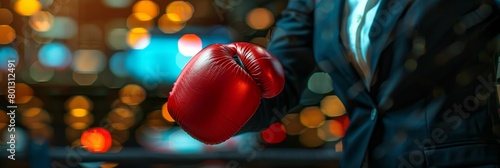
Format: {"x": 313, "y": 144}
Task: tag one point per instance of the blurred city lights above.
{"x": 310, "y": 138}
{"x": 132, "y": 94}
{"x": 145, "y": 10}
{"x": 179, "y": 11}
{"x": 312, "y": 117}
{"x": 117, "y": 39}
{"x": 133, "y": 21}
{"x": 89, "y": 61}
{"x": 97, "y": 140}
{"x": 117, "y": 64}
{"x": 320, "y": 83}
{"x": 24, "y": 93}
{"x": 331, "y": 106}
{"x": 54, "y": 55}
{"x": 7, "y": 17}
{"x": 189, "y": 44}
{"x": 165, "y": 113}
{"x": 260, "y": 18}
{"x": 84, "y": 79}
{"x": 274, "y": 134}
{"x": 168, "y": 26}
{"x": 292, "y": 124}
{"x": 79, "y": 102}
{"x": 138, "y": 38}
{"x": 41, "y": 21}
{"x": 118, "y": 3}
{"x": 7, "y": 34}
{"x": 27, "y": 7}
{"x": 8, "y": 53}
{"x": 62, "y": 28}
{"x": 40, "y": 73}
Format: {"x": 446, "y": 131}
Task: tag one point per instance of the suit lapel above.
{"x": 384, "y": 22}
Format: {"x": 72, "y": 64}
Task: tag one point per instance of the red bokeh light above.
{"x": 97, "y": 140}
{"x": 274, "y": 134}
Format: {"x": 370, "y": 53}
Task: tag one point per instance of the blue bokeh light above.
{"x": 54, "y": 55}
{"x": 117, "y": 64}
{"x": 159, "y": 62}
{"x": 8, "y": 53}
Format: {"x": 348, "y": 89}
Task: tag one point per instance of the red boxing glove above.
{"x": 221, "y": 88}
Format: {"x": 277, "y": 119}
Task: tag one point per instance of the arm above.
{"x": 292, "y": 43}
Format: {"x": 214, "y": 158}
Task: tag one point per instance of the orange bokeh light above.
{"x": 27, "y": 7}
{"x": 338, "y": 126}
{"x": 189, "y": 44}
{"x": 97, "y": 140}
{"x": 166, "y": 114}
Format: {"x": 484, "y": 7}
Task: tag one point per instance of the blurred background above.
{"x": 92, "y": 79}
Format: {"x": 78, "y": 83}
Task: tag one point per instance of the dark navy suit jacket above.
{"x": 433, "y": 101}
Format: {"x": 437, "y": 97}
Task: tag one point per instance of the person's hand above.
{"x": 221, "y": 88}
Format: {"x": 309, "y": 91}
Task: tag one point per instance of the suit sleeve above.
{"x": 292, "y": 42}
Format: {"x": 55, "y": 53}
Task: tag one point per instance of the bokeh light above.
{"x": 331, "y": 106}
{"x": 7, "y": 34}
{"x": 179, "y": 11}
{"x": 62, "y": 28}
{"x": 138, "y": 38}
{"x": 310, "y": 138}
{"x": 54, "y": 55}
{"x": 118, "y": 3}
{"x": 133, "y": 21}
{"x": 117, "y": 64}
{"x": 41, "y": 39}
{"x": 274, "y": 134}
{"x": 260, "y": 18}
{"x": 40, "y": 73}
{"x": 97, "y": 140}
{"x": 189, "y": 44}
{"x": 32, "y": 116}
{"x": 46, "y": 3}
{"x": 169, "y": 26}
{"x": 6, "y": 18}
{"x": 181, "y": 142}
{"x": 78, "y": 102}
{"x": 89, "y": 61}
{"x": 320, "y": 83}
{"x": 84, "y": 79}
{"x": 145, "y": 10}
{"x": 79, "y": 119}
{"x": 166, "y": 115}
{"x": 41, "y": 21}
{"x": 292, "y": 124}
{"x": 4, "y": 119}
{"x": 312, "y": 117}
{"x": 24, "y": 93}
{"x": 325, "y": 133}
{"x": 117, "y": 39}
{"x": 132, "y": 94}
{"x": 338, "y": 126}
{"x": 121, "y": 118}
{"x": 27, "y": 7}
{"x": 8, "y": 53}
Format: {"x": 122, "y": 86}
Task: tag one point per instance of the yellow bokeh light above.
{"x": 165, "y": 113}
{"x": 145, "y": 10}
{"x": 132, "y": 94}
{"x": 312, "y": 117}
{"x": 79, "y": 102}
{"x": 260, "y": 18}
{"x": 332, "y": 106}
{"x": 27, "y": 7}
{"x": 138, "y": 38}
{"x": 7, "y": 34}
{"x": 169, "y": 26}
{"x": 41, "y": 21}
{"x": 121, "y": 118}
{"x": 179, "y": 11}
{"x": 79, "y": 112}
{"x": 78, "y": 123}
{"x": 133, "y": 21}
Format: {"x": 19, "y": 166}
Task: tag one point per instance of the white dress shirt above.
{"x": 359, "y": 21}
